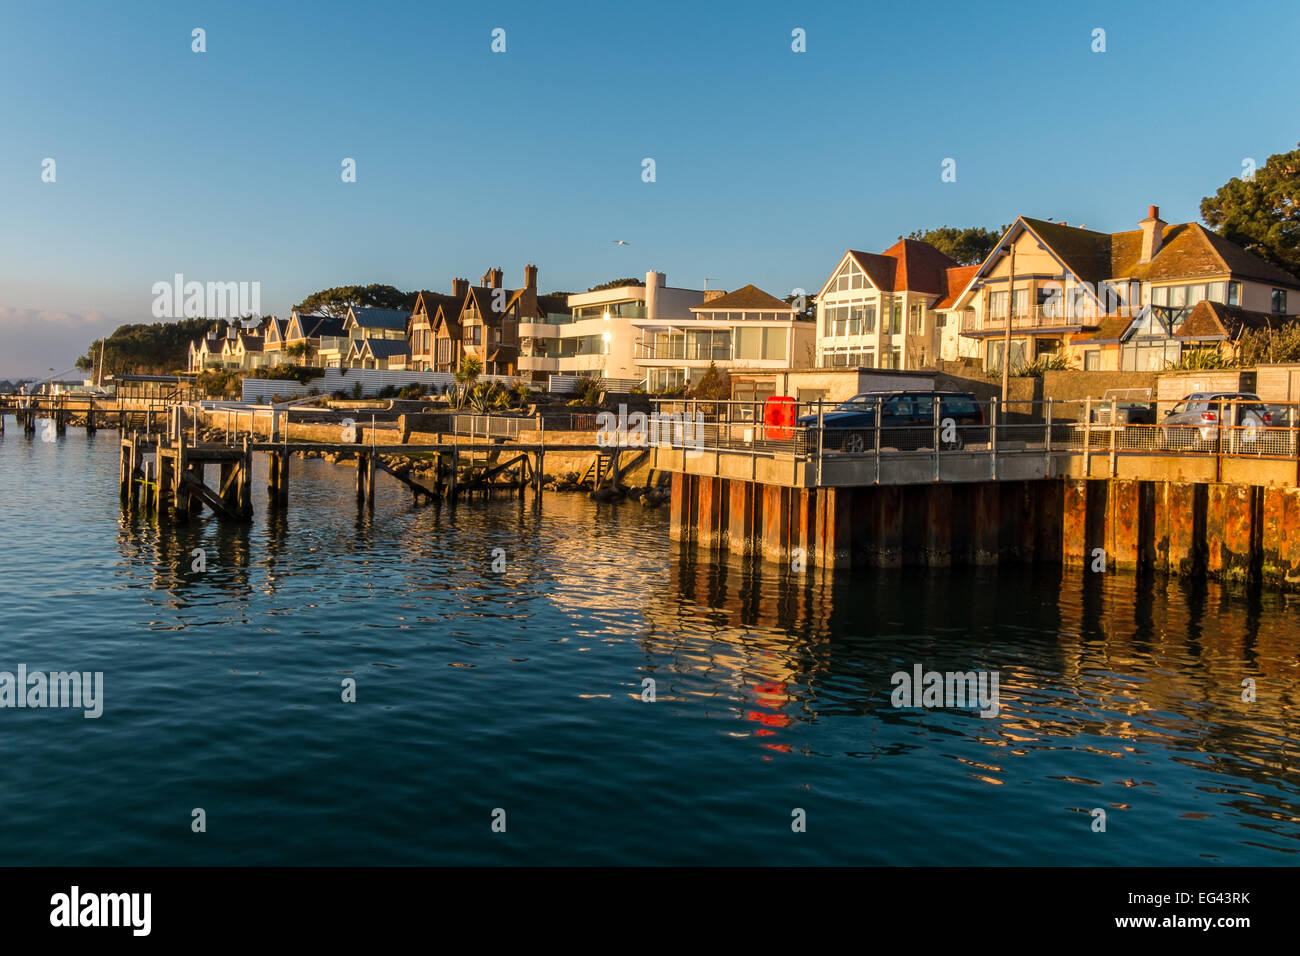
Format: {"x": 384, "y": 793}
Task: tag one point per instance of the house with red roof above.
{"x": 878, "y": 310}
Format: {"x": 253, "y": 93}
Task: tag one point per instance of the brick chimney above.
{"x": 496, "y": 278}
{"x": 1153, "y": 234}
{"x": 491, "y": 279}
{"x": 530, "y": 278}
{"x": 460, "y": 288}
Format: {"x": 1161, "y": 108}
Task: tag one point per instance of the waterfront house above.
{"x": 434, "y": 329}
{"x": 273, "y": 340}
{"x": 1116, "y": 301}
{"x": 390, "y": 354}
{"x": 745, "y": 329}
{"x": 594, "y": 333}
{"x": 242, "y": 350}
{"x": 494, "y": 321}
{"x": 877, "y": 310}
{"x": 316, "y": 334}
{"x": 205, "y": 353}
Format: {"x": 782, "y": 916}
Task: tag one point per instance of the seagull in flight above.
{"x": 620, "y": 242}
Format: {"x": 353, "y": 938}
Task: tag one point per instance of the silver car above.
{"x": 1198, "y": 422}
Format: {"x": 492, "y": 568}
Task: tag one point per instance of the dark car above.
{"x": 907, "y": 421}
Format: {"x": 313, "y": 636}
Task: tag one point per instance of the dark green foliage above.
{"x": 1262, "y": 214}
{"x": 965, "y": 246}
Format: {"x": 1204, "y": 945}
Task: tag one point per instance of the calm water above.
{"x": 522, "y": 691}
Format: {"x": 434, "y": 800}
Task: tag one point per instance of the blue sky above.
{"x": 225, "y": 165}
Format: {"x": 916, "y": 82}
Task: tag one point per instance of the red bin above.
{"x": 778, "y": 417}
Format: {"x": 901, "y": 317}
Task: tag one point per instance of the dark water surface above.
{"x": 522, "y": 691}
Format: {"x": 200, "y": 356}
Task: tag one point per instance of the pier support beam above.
{"x": 741, "y": 517}
{"x": 1122, "y": 524}
{"x": 1230, "y": 530}
{"x": 708, "y": 516}
{"x": 1280, "y": 537}
{"x": 776, "y": 523}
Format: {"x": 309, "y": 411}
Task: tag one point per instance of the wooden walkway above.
{"x": 168, "y": 476}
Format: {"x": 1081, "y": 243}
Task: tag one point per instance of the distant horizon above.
{"x": 231, "y": 164}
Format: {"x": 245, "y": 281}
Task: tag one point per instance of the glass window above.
{"x": 1218, "y": 292}
{"x": 1279, "y": 301}
{"x": 1234, "y": 293}
{"x": 1178, "y": 296}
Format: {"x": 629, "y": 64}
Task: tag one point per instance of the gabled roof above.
{"x": 390, "y": 320}
{"x": 430, "y": 302}
{"x": 956, "y": 280}
{"x": 1188, "y": 251}
{"x": 482, "y": 298}
{"x": 1214, "y": 320}
{"x": 1110, "y": 329}
{"x": 1084, "y": 252}
{"x": 748, "y": 298}
{"x": 315, "y": 326}
{"x": 879, "y": 269}
{"x": 386, "y": 348}
{"x": 909, "y": 265}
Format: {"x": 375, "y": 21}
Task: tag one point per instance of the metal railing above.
{"x": 815, "y": 432}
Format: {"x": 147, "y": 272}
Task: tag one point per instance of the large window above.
{"x": 996, "y": 349}
{"x": 852, "y": 318}
{"x": 760, "y": 344}
{"x": 849, "y": 358}
{"x": 896, "y": 319}
{"x": 1147, "y": 355}
{"x": 1186, "y": 296}
{"x": 850, "y": 277}
{"x": 1279, "y": 301}
{"x": 915, "y": 319}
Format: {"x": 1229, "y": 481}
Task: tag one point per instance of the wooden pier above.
{"x": 168, "y": 475}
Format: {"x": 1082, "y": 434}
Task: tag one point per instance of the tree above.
{"x": 616, "y": 284}
{"x": 715, "y": 384}
{"x": 967, "y": 247}
{"x": 470, "y": 369}
{"x": 1262, "y": 214}
{"x": 157, "y": 348}
{"x": 809, "y": 313}
{"x": 338, "y": 300}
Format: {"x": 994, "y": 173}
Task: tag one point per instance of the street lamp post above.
{"x": 1006, "y": 339}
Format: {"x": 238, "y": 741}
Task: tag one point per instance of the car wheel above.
{"x": 957, "y": 444}
{"x": 855, "y": 443}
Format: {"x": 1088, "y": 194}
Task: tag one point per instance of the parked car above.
{"x": 1198, "y": 421}
{"x": 1133, "y": 406}
{"x": 907, "y": 421}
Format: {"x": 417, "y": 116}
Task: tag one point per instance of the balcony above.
{"x": 1037, "y": 317}
{"x": 682, "y": 352}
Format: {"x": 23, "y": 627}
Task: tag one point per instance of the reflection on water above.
{"x": 523, "y": 690}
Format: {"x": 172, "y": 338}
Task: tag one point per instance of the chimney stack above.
{"x": 1153, "y": 234}
{"x": 491, "y": 279}
{"x": 460, "y": 288}
{"x": 530, "y": 278}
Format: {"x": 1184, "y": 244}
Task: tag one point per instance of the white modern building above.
{"x": 744, "y": 329}
{"x": 598, "y": 337}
